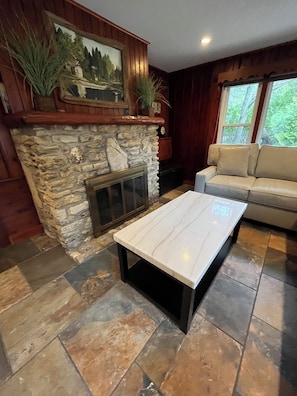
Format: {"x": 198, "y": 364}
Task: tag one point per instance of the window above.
{"x": 238, "y": 111}
{"x": 278, "y": 125}
{"x": 278, "y": 121}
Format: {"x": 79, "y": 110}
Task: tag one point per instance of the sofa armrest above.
{"x": 202, "y": 177}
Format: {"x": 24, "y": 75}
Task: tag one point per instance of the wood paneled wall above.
{"x": 165, "y": 110}
{"x": 195, "y": 96}
{"x": 85, "y": 20}
{"x": 18, "y": 217}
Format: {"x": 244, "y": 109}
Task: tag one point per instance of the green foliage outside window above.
{"x": 279, "y": 127}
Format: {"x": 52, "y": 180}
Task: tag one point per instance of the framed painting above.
{"x": 96, "y": 68}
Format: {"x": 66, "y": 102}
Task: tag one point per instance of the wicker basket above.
{"x": 44, "y": 103}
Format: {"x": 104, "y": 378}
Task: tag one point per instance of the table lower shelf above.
{"x": 166, "y": 292}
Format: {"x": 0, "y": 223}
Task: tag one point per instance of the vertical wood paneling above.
{"x": 33, "y": 10}
{"x": 8, "y": 154}
{"x": 195, "y": 97}
{"x": 188, "y": 117}
{"x": 17, "y": 209}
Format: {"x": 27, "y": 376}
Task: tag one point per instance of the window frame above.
{"x": 260, "y": 107}
{"x": 224, "y": 105}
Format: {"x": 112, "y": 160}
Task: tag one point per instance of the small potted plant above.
{"x": 148, "y": 89}
{"x": 41, "y": 61}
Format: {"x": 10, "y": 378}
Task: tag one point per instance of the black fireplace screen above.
{"x": 116, "y": 197}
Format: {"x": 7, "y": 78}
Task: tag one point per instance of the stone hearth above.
{"x": 57, "y": 159}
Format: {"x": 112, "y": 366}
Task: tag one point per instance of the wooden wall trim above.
{"x": 258, "y": 71}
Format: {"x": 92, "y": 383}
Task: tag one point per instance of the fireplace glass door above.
{"x": 116, "y": 197}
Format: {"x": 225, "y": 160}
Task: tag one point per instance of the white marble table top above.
{"x": 183, "y": 237}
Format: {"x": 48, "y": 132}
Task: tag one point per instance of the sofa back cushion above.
{"x": 213, "y": 154}
{"x": 277, "y": 163}
{"x": 233, "y": 161}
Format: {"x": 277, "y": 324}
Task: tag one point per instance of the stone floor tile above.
{"x": 284, "y": 242}
{"x": 51, "y": 372}
{"x": 160, "y": 351}
{"x": 132, "y": 257}
{"x": 206, "y": 363}
{"x": 228, "y": 305}
{"x": 172, "y": 194}
{"x": 5, "y": 264}
{"x": 13, "y": 288}
{"x": 90, "y": 248}
{"x": 44, "y": 242}
{"x": 276, "y": 305}
{"x": 184, "y": 188}
{"x": 15, "y": 254}
{"x": 281, "y": 266}
{"x": 269, "y": 363}
{"x": 106, "y": 339}
{"x": 136, "y": 383}
{"x": 143, "y": 303}
{"x": 30, "y": 325}
{"x": 95, "y": 276}
{"x": 5, "y": 369}
{"x": 243, "y": 266}
{"x": 255, "y": 237}
{"x": 45, "y": 267}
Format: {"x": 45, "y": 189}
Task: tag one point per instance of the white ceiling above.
{"x": 174, "y": 27}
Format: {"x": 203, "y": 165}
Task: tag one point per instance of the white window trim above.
{"x": 223, "y": 110}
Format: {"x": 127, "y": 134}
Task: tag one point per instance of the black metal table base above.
{"x": 175, "y": 299}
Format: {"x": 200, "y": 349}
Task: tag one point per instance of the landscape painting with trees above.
{"x": 95, "y": 69}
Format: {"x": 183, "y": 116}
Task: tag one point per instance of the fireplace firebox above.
{"x": 116, "y": 197}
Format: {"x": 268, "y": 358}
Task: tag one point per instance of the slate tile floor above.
{"x": 69, "y": 329}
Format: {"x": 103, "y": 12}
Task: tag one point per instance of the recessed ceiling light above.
{"x": 205, "y": 40}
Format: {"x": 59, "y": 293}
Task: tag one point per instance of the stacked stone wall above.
{"x": 58, "y": 159}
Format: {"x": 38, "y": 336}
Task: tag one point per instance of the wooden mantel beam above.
{"x": 60, "y": 118}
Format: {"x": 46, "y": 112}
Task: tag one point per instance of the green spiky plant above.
{"x": 42, "y": 63}
{"x": 148, "y": 89}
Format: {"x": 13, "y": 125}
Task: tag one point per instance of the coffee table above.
{"x": 180, "y": 247}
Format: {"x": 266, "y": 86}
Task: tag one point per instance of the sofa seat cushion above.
{"x": 235, "y": 187}
{"x": 274, "y": 192}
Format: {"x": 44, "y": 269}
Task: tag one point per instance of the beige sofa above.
{"x": 265, "y": 178}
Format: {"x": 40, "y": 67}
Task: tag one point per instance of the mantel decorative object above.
{"x": 148, "y": 89}
{"x": 40, "y": 61}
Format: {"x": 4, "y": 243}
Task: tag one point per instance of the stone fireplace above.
{"x": 58, "y": 156}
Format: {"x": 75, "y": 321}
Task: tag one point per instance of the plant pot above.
{"x": 148, "y": 111}
{"x": 44, "y": 103}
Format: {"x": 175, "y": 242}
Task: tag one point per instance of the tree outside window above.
{"x": 279, "y": 118}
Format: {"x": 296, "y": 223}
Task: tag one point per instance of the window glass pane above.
{"x": 235, "y": 135}
{"x": 280, "y": 125}
{"x": 241, "y": 103}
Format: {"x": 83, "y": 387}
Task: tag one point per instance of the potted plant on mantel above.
{"x": 148, "y": 89}
{"x": 42, "y": 63}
